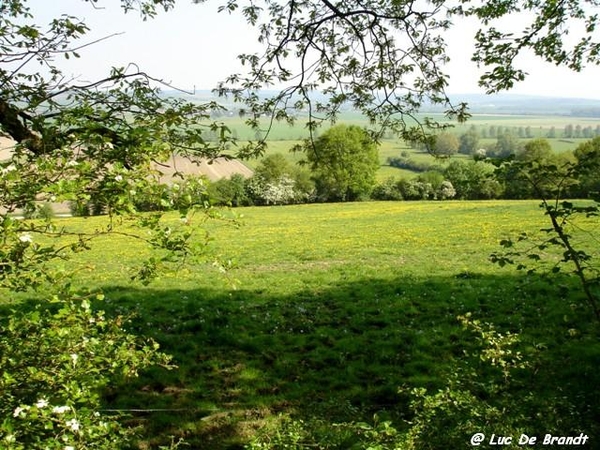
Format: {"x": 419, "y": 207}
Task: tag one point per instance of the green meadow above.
{"x": 327, "y": 310}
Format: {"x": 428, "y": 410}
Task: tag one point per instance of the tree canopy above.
{"x": 384, "y": 58}
{"x": 344, "y": 161}
{"x": 387, "y": 58}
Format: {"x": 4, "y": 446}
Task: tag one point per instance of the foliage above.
{"x": 446, "y": 145}
{"x": 55, "y": 367}
{"x": 387, "y": 59}
{"x": 469, "y": 142}
{"x": 277, "y": 182}
{"x": 506, "y": 145}
{"x": 230, "y": 191}
{"x": 551, "y": 183}
{"x": 471, "y": 402}
{"x": 588, "y": 160}
{"x": 408, "y": 164}
{"x": 473, "y": 180}
{"x": 94, "y": 145}
{"x": 388, "y": 189}
{"x": 343, "y": 162}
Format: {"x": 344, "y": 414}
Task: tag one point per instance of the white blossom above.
{"x": 73, "y": 424}
{"x": 60, "y": 409}
{"x": 74, "y": 357}
{"x": 69, "y": 447}
{"x": 25, "y": 238}
{"x": 72, "y": 163}
{"x": 20, "y": 411}
{"x": 42, "y": 403}
{"x": 118, "y": 178}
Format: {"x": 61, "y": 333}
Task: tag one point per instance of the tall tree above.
{"x": 446, "y": 144}
{"x": 344, "y": 161}
{"x": 569, "y": 131}
{"x": 507, "y": 144}
{"x": 469, "y": 142}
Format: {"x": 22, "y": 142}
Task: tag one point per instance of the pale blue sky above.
{"x": 193, "y": 45}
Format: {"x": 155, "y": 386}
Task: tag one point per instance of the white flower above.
{"x": 72, "y": 163}
{"x": 25, "y": 238}
{"x": 8, "y": 169}
{"x": 74, "y": 357}
{"x": 73, "y": 424}
{"x": 69, "y": 447}
{"x": 20, "y": 411}
{"x": 118, "y": 178}
{"x": 60, "y": 409}
{"x": 42, "y": 403}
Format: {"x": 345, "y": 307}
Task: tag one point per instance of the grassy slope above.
{"x": 335, "y": 307}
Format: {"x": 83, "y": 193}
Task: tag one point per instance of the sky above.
{"x": 193, "y": 46}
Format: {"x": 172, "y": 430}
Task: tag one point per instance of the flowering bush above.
{"x": 54, "y": 368}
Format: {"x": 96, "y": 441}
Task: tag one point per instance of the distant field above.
{"x": 539, "y": 124}
{"x": 328, "y": 309}
{"x": 283, "y": 137}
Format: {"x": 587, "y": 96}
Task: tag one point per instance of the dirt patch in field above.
{"x": 213, "y": 170}
{"x": 5, "y": 147}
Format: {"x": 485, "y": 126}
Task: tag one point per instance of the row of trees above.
{"x": 507, "y": 139}
{"x": 342, "y": 164}
{"x": 277, "y": 181}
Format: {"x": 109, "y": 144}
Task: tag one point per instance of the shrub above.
{"x": 55, "y": 366}
{"x": 409, "y": 164}
{"x": 387, "y": 190}
{"x": 230, "y": 191}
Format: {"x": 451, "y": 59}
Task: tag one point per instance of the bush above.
{"x": 387, "y": 190}
{"x": 230, "y": 191}
{"x": 55, "y": 366}
{"x": 409, "y": 164}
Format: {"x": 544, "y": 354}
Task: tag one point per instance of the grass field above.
{"x": 329, "y": 309}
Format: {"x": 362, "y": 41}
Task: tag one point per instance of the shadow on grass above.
{"x": 341, "y": 352}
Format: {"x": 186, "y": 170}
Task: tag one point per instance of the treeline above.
{"x": 474, "y": 179}
{"x": 509, "y": 141}
{"x": 535, "y": 170}
{"x": 527, "y": 132}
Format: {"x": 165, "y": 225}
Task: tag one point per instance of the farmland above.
{"x": 282, "y": 137}
{"x": 327, "y": 310}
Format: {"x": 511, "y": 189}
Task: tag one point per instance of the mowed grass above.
{"x": 329, "y": 309}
